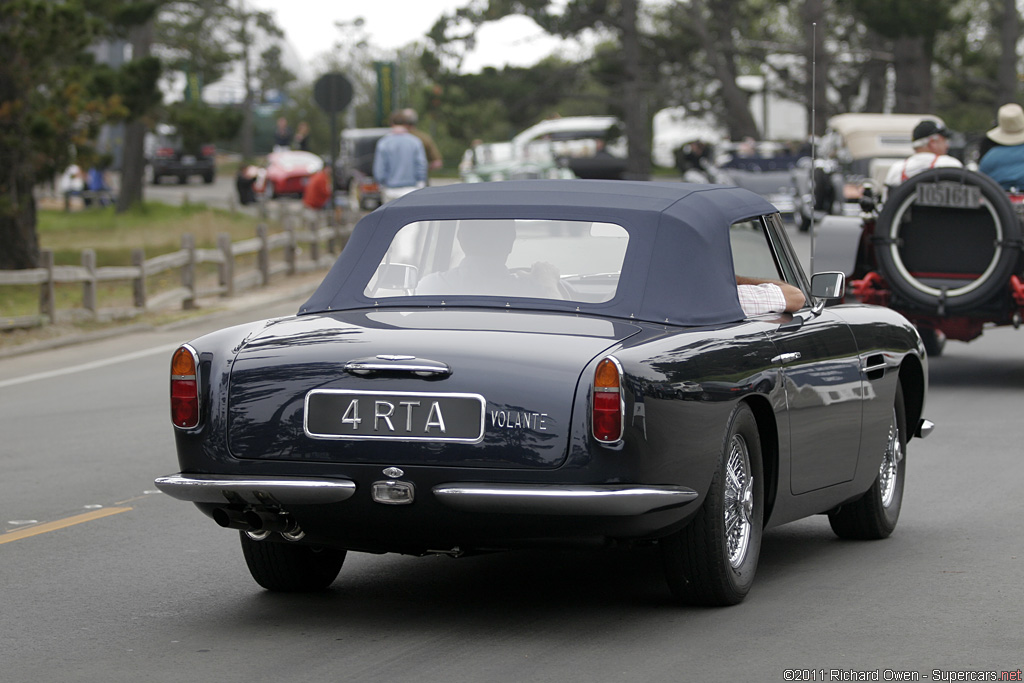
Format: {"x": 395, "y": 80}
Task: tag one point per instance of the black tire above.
{"x": 208, "y": 178}
{"x": 891, "y": 250}
{"x": 289, "y": 567}
{"x": 934, "y": 341}
{"x": 706, "y": 563}
{"x": 183, "y": 180}
{"x": 874, "y": 515}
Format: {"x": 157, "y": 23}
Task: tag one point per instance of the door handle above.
{"x": 784, "y": 358}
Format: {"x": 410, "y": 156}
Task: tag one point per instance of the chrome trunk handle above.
{"x": 421, "y": 367}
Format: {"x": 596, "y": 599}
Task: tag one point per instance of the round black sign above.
{"x": 332, "y": 92}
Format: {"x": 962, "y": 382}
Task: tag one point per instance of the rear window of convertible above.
{"x": 547, "y": 259}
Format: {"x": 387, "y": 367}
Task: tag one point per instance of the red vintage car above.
{"x": 944, "y": 249}
{"x": 287, "y": 173}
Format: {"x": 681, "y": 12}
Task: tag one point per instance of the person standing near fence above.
{"x": 434, "y": 159}
{"x": 282, "y": 135}
{"x": 97, "y": 186}
{"x": 72, "y": 182}
{"x": 317, "y": 196}
{"x": 400, "y": 162}
{"x": 301, "y": 139}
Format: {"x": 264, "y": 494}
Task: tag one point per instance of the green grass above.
{"x": 154, "y": 227}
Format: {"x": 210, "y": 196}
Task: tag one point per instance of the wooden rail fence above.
{"x": 322, "y": 242}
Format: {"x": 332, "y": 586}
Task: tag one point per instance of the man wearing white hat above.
{"x": 1004, "y": 162}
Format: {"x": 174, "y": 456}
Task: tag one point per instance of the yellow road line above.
{"x": 60, "y": 524}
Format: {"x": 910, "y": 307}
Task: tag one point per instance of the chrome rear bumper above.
{"x": 209, "y": 488}
{"x": 612, "y": 500}
{"x": 615, "y": 500}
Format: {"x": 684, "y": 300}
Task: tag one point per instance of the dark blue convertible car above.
{"x": 536, "y": 363}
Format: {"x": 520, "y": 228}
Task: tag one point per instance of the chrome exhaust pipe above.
{"x": 268, "y": 521}
{"x": 231, "y": 519}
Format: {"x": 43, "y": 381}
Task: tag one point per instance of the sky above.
{"x": 309, "y": 26}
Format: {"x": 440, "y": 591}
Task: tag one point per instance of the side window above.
{"x": 785, "y": 257}
{"x": 752, "y": 253}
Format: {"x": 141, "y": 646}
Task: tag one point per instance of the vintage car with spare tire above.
{"x": 551, "y": 363}
{"x": 944, "y": 249}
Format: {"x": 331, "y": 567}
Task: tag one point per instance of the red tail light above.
{"x": 607, "y": 410}
{"x": 208, "y": 150}
{"x": 165, "y": 152}
{"x": 185, "y": 388}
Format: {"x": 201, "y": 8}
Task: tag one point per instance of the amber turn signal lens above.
{"x": 607, "y": 375}
{"x": 183, "y": 363}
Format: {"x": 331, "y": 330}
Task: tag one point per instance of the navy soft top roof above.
{"x": 678, "y": 267}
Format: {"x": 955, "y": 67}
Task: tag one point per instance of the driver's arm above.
{"x": 792, "y": 296}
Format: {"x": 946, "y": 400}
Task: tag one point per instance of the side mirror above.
{"x": 831, "y": 285}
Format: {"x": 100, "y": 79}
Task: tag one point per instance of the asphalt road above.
{"x": 103, "y": 579}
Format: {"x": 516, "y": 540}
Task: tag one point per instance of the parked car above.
{"x": 590, "y": 146}
{"x": 168, "y": 156}
{"x": 550, "y": 363}
{"x": 489, "y": 162}
{"x": 944, "y": 249}
{"x": 765, "y": 168}
{"x": 354, "y": 167}
{"x": 287, "y": 173}
{"x": 856, "y": 152}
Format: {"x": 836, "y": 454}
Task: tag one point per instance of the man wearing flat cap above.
{"x": 1004, "y": 161}
{"x": 931, "y": 144}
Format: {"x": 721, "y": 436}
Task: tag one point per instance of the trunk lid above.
{"x": 454, "y": 388}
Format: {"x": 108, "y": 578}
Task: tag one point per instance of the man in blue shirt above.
{"x": 99, "y": 190}
{"x": 400, "y": 161}
{"x": 1004, "y": 162}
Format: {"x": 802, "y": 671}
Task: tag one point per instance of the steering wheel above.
{"x": 526, "y": 273}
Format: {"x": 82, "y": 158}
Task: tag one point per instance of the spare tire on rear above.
{"x": 947, "y": 240}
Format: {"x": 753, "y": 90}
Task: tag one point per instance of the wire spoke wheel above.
{"x": 739, "y": 501}
{"x": 712, "y": 560}
{"x": 874, "y": 515}
{"x": 888, "y": 472}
